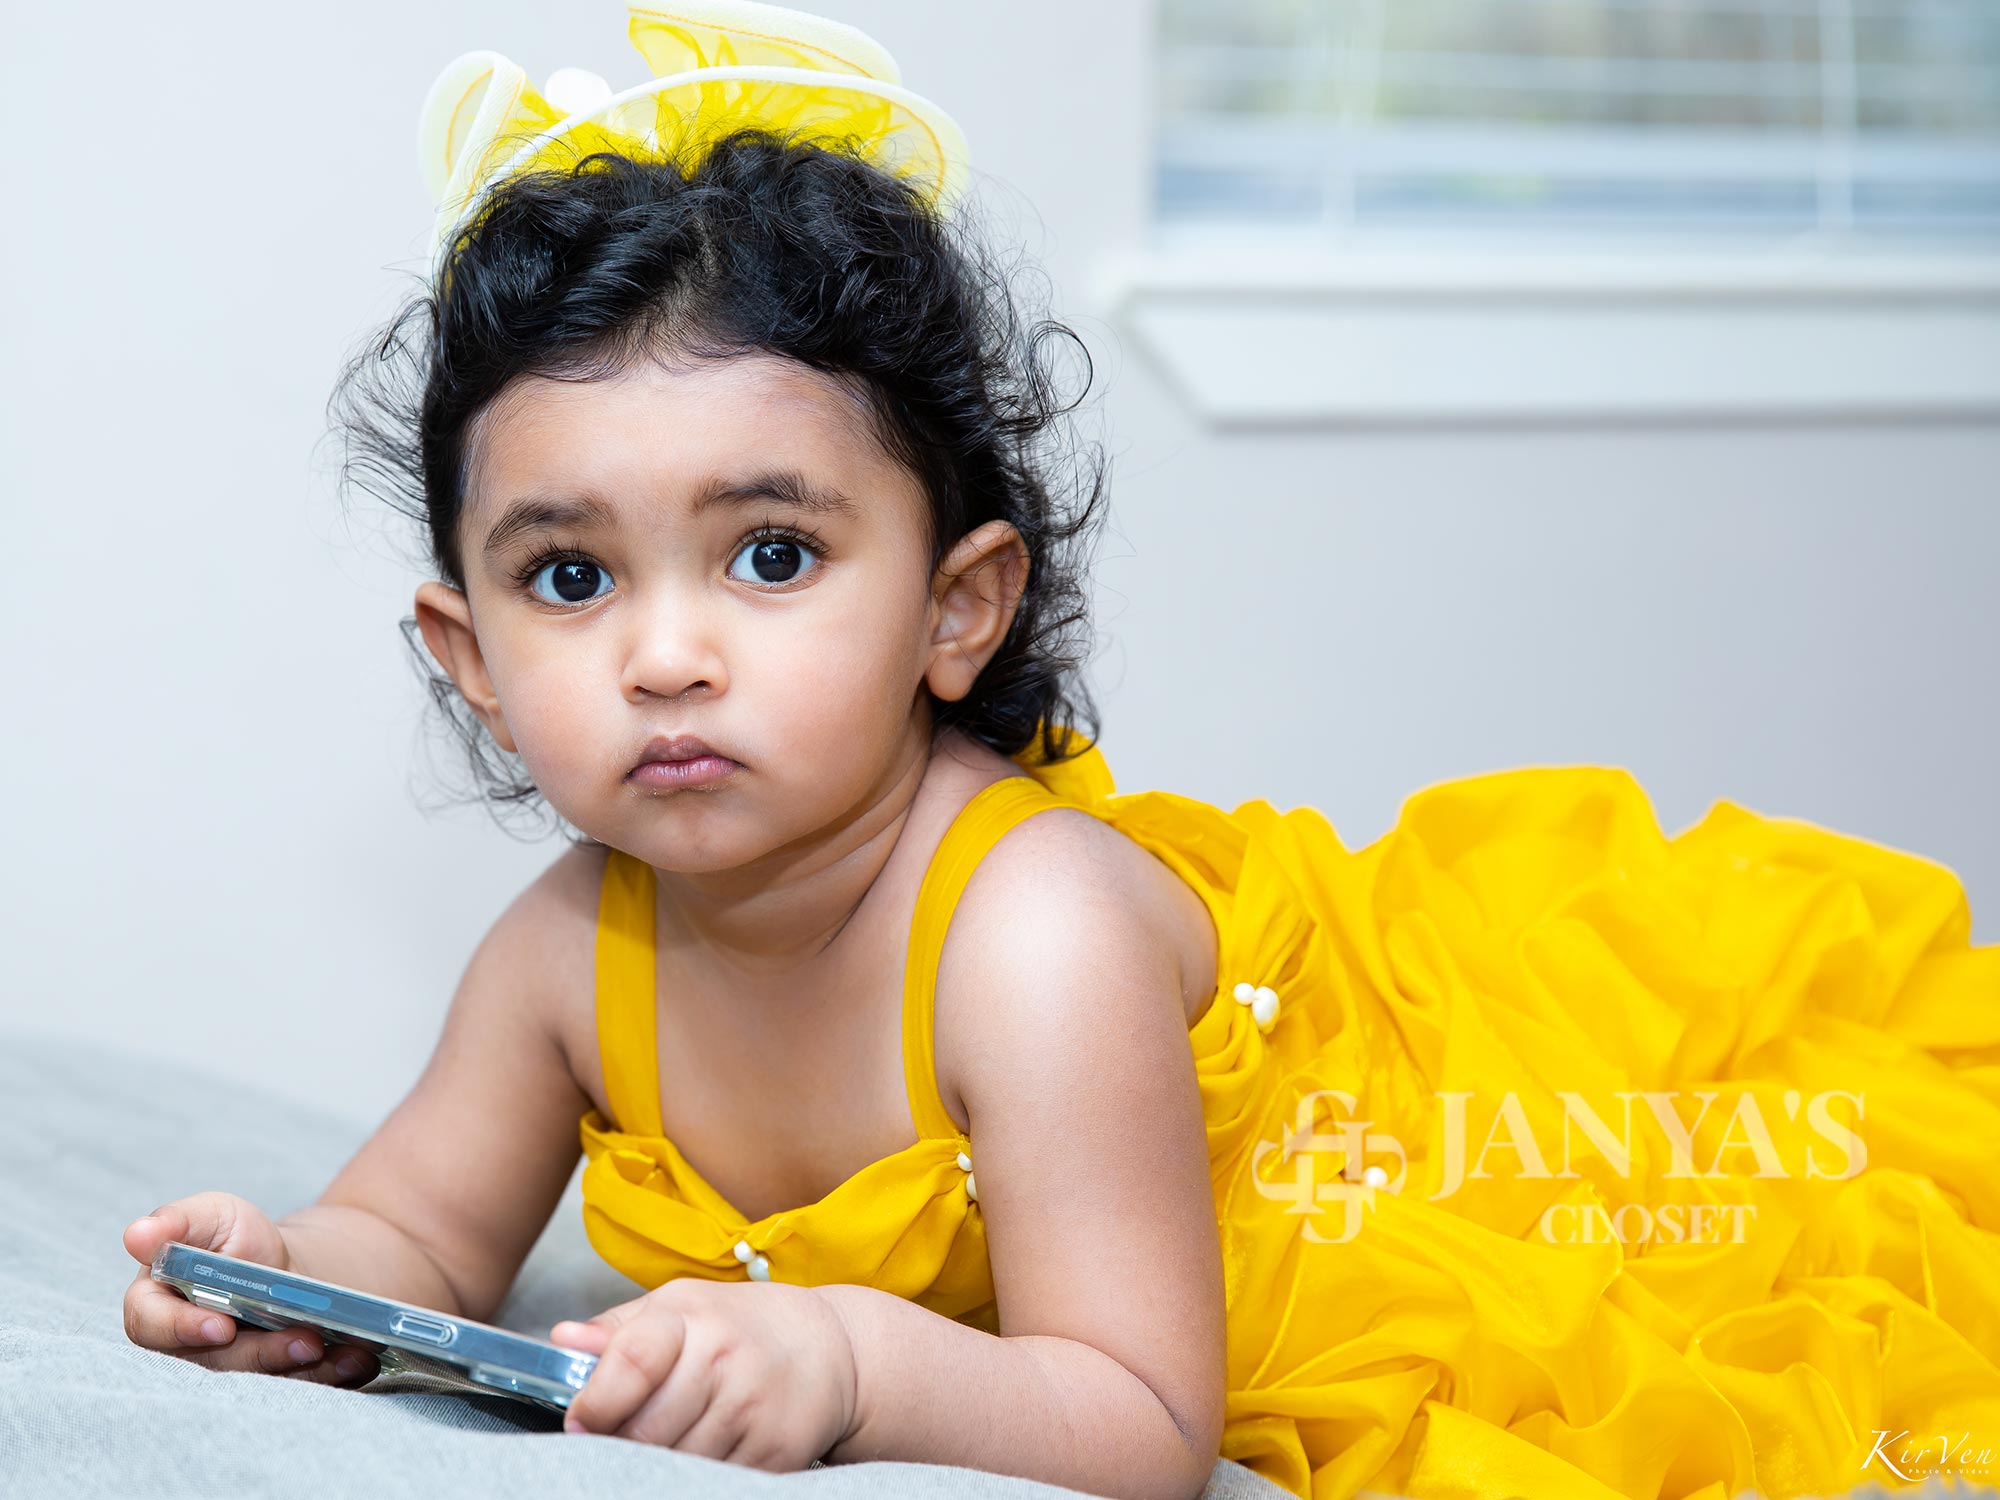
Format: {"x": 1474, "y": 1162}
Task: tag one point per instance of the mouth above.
{"x": 681, "y": 760}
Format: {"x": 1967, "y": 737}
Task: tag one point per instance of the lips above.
{"x": 677, "y": 747}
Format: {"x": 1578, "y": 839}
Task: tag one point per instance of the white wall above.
{"x": 211, "y": 722}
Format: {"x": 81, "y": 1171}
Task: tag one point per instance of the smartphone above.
{"x": 472, "y": 1356}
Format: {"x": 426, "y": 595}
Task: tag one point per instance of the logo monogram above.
{"x": 1355, "y": 1186}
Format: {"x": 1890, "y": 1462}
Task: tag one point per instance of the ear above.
{"x": 445, "y": 617}
{"x": 974, "y": 595}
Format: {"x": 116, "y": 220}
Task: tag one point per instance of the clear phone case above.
{"x": 470, "y": 1355}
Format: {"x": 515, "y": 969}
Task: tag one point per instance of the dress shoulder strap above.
{"x": 978, "y": 826}
{"x": 627, "y": 1046}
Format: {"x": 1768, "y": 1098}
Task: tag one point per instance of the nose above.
{"x": 674, "y": 649}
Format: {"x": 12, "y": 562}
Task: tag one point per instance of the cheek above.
{"x": 551, "y": 706}
{"x": 827, "y": 695}
{"x": 851, "y": 656}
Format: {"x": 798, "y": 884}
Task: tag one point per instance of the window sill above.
{"x": 1256, "y": 339}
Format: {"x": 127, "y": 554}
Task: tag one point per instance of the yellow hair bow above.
{"x": 717, "y": 65}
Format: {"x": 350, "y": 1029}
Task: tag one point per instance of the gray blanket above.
{"x": 92, "y": 1138}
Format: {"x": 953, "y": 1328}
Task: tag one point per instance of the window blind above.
{"x": 1717, "y": 120}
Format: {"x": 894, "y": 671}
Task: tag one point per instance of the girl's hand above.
{"x": 158, "y": 1317}
{"x": 754, "y": 1373}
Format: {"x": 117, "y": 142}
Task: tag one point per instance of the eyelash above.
{"x": 566, "y": 552}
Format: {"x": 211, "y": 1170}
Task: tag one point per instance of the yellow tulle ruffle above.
{"x": 717, "y": 65}
{"x": 1794, "y": 1286}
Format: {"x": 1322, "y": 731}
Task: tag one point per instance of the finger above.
{"x": 619, "y": 1314}
{"x": 144, "y": 1236}
{"x": 284, "y": 1351}
{"x": 158, "y": 1317}
{"x": 203, "y": 1219}
{"x": 638, "y": 1358}
{"x": 590, "y": 1338}
{"x": 690, "y": 1413}
{"x": 343, "y": 1365}
{"x": 754, "y": 1450}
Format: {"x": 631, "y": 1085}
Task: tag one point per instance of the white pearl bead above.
{"x": 760, "y": 1269}
{"x": 1265, "y": 1006}
{"x": 964, "y": 1162}
{"x": 972, "y": 1187}
{"x": 743, "y": 1251}
{"x": 1245, "y": 993}
{"x": 572, "y": 91}
{"x": 1375, "y": 1177}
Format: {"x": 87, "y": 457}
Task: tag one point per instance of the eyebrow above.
{"x": 545, "y": 512}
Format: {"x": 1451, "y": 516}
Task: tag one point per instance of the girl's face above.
{"x": 721, "y": 549}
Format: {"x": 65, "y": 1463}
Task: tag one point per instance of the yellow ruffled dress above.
{"x": 1453, "y": 1266}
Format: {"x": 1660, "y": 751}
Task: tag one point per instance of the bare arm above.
{"x": 359, "y": 1248}
{"x": 1092, "y": 1164}
{"x": 1054, "y": 1409}
{"x": 444, "y": 1201}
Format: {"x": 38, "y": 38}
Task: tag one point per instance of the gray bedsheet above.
{"x": 91, "y": 1138}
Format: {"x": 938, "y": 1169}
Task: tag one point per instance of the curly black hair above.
{"x": 764, "y": 244}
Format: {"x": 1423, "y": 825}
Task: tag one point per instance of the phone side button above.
{"x": 409, "y": 1326}
{"x": 208, "y": 1298}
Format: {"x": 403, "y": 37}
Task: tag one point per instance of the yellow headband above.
{"x": 717, "y": 65}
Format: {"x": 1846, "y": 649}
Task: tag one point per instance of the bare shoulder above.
{"x": 538, "y": 959}
{"x": 1067, "y": 888}
{"x": 554, "y": 919}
